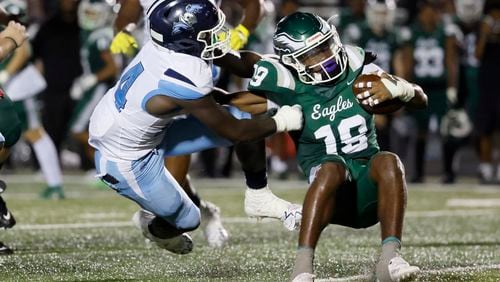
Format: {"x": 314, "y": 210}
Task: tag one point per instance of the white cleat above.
{"x": 399, "y": 270}
{"x": 262, "y": 203}
{"x": 304, "y": 277}
{"x": 181, "y": 244}
{"x": 211, "y": 223}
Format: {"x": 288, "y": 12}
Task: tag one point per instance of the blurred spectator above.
{"x": 488, "y": 115}
{"x": 56, "y": 49}
{"x": 434, "y": 68}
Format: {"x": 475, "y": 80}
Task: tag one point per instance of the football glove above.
{"x": 82, "y": 84}
{"x": 124, "y": 43}
{"x": 451, "y": 95}
{"x": 4, "y": 77}
{"x": 288, "y": 118}
{"x": 239, "y": 37}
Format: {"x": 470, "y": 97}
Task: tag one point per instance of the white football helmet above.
{"x": 380, "y": 14}
{"x": 469, "y": 11}
{"x": 17, "y": 8}
{"x": 94, "y": 14}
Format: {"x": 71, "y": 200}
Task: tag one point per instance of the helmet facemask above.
{"x": 93, "y": 15}
{"x": 469, "y": 11}
{"x": 216, "y": 40}
{"x": 322, "y": 60}
{"x": 380, "y": 15}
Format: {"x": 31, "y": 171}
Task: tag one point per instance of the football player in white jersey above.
{"x": 138, "y": 122}
{"x": 259, "y": 200}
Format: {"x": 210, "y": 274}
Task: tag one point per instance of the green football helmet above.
{"x": 311, "y": 46}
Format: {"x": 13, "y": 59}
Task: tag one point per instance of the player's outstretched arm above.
{"x": 245, "y": 101}
{"x": 240, "y": 64}
{"x": 218, "y": 119}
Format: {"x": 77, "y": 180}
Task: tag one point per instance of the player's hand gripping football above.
{"x": 289, "y": 118}
{"x": 239, "y": 37}
{"x": 16, "y": 32}
{"x": 124, "y": 43}
{"x": 384, "y": 89}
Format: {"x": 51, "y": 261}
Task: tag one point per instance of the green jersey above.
{"x": 10, "y": 125}
{"x": 384, "y": 45}
{"x": 429, "y": 56}
{"x": 334, "y": 123}
{"x": 94, "y": 43}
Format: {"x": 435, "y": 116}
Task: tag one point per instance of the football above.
{"x": 387, "y": 107}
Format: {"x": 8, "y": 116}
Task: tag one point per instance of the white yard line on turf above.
{"x": 235, "y": 220}
{"x": 424, "y": 271}
{"x": 473, "y": 203}
{"x": 239, "y": 183}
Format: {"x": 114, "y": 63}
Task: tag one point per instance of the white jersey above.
{"x": 120, "y": 128}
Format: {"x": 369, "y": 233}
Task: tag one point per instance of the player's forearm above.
{"x": 252, "y": 14}
{"x": 130, "y": 12}
{"x": 419, "y": 101}
{"x": 7, "y": 45}
{"x": 241, "y": 65}
{"x": 19, "y": 59}
{"x": 451, "y": 62}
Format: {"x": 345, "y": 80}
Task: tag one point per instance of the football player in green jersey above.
{"x": 352, "y": 183}
{"x": 378, "y": 35}
{"x": 433, "y": 64}
{"x": 16, "y": 70}
{"x": 456, "y": 124}
{"x": 11, "y": 37}
{"x": 100, "y": 68}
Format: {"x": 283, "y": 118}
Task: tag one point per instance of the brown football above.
{"x": 387, "y": 107}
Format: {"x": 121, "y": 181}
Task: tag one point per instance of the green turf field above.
{"x": 451, "y": 232}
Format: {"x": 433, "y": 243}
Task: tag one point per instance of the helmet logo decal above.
{"x": 187, "y": 19}
{"x": 315, "y": 38}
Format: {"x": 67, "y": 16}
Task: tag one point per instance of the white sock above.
{"x": 46, "y": 153}
{"x": 486, "y": 170}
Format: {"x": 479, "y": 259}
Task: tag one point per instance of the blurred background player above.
{"x": 56, "y": 52}
{"x": 432, "y": 66}
{"x": 16, "y": 73}
{"x": 488, "y": 113}
{"x": 456, "y": 125}
{"x": 378, "y": 35}
{"x": 99, "y": 67}
{"x": 131, "y": 11}
{"x": 11, "y": 38}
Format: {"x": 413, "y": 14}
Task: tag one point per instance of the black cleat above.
{"x": 7, "y": 220}
{"x": 5, "y": 250}
{"x": 3, "y": 186}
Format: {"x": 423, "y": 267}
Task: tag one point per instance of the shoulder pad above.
{"x": 356, "y": 56}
